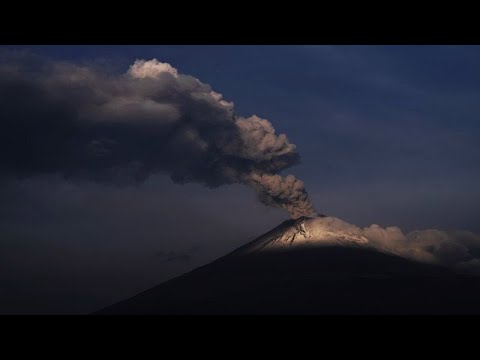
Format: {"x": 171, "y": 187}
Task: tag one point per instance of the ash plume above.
{"x": 85, "y": 122}
{"x": 283, "y": 192}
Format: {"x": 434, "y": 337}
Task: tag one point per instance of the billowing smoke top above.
{"x": 86, "y": 123}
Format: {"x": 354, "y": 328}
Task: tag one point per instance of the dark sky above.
{"x": 386, "y": 134}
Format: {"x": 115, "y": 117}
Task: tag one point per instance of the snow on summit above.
{"x": 457, "y": 249}
{"x": 307, "y": 232}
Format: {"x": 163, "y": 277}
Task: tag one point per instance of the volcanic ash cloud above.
{"x": 85, "y": 122}
{"x": 284, "y": 192}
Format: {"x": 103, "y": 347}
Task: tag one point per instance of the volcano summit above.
{"x": 319, "y": 265}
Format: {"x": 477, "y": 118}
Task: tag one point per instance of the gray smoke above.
{"x": 458, "y": 249}
{"x": 83, "y": 122}
{"x": 286, "y": 192}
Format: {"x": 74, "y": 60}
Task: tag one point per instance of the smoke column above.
{"x": 286, "y": 192}
{"x": 87, "y": 122}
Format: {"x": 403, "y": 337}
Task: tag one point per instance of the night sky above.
{"x": 387, "y": 135}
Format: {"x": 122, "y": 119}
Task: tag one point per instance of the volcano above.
{"x": 318, "y": 265}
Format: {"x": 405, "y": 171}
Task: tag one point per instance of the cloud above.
{"x": 86, "y": 123}
{"x": 451, "y": 248}
{"x": 185, "y": 255}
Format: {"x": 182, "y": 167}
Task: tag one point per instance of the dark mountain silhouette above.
{"x": 335, "y": 273}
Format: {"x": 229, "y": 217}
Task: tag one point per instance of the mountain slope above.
{"x": 310, "y": 266}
